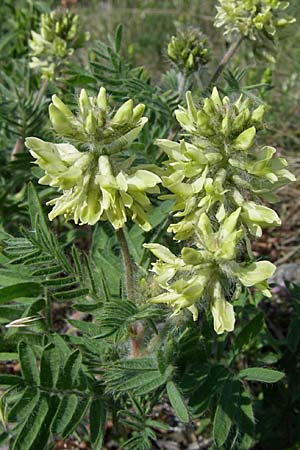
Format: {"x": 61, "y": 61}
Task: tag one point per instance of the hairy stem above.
{"x": 48, "y": 310}
{"x": 136, "y": 330}
{"x": 127, "y": 263}
{"x": 41, "y": 92}
{"x": 225, "y": 60}
{"x": 181, "y": 84}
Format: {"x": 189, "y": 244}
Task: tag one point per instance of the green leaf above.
{"x": 42, "y": 438}
{"x": 224, "y": 414}
{"x": 35, "y": 210}
{"x": 177, "y": 402}
{"x": 10, "y": 380}
{"x": 207, "y": 389}
{"x": 77, "y": 417}
{"x": 249, "y": 332}
{"x": 245, "y": 419}
{"x": 28, "y": 364}
{"x": 97, "y": 423}
{"x": 50, "y": 366}
{"x": 261, "y": 374}
{"x": 139, "y": 381}
{"x": 118, "y": 38}
{"x": 151, "y": 385}
{"x": 25, "y": 405}
{"x": 72, "y": 294}
{"x": 19, "y": 290}
{"x": 71, "y": 369}
{"x": 6, "y": 356}
{"x": 31, "y": 427}
{"x": 64, "y": 413}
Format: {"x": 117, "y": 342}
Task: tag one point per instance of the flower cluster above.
{"x": 59, "y": 36}
{"x": 217, "y": 177}
{"x": 248, "y": 17}
{"x": 257, "y": 20}
{"x": 219, "y": 168}
{"x": 96, "y": 184}
{"x": 94, "y": 125}
{"x": 210, "y": 272}
{"x": 188, "y": 50}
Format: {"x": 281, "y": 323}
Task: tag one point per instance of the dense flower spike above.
{"x": 59, "y": 36}
{"x": 95, "y": 184}
{"x": 188, "y": 49}
{"x": 209, "y": 272}
{"x": 221, "y": 167}
{"x": 257, "y": 20}
{"x": 217, "y": 176}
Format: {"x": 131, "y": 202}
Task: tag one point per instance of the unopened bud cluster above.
{"x": 217, "y": 177}
{"x": 95, "y": 125}
{"x": 257, "y": 20}
{"x": 59, "y": 36}
{"x": 95, "y": 183}
{"x": 189, "y": 50}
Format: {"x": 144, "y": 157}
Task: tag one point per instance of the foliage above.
{"x": 80, "y": 312}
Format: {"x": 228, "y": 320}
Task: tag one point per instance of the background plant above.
{"x": 68, "y": 308}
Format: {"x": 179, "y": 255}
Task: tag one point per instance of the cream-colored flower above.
{"x": 91, "y": 191}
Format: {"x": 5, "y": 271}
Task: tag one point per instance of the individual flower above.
{"x": 219, "y": 166}
{"x": 96, "y": 183}
{"x": 209, "y": 273}
{"x": 189, "y": 50}
{"x": 58, "y": 37}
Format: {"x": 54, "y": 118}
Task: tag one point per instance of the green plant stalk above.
{"x": 48, "y": 310}
{"x": 41, "y": 92}
{"x": 225, "y": 60}
{"x": 127, "y": 264}
{"x": 136, "y": 330}
{"x": 181, "y": 84}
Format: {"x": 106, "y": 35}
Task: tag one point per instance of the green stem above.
{"x": 136, "y": 330}
{"x": 225, "y": 60}
{"x": 41, "y": 93}
{"x": 127, "y": 264}
{"x": 181, "y": 84}
{"x": 48, "y": 310}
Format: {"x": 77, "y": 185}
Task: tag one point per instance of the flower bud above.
{"x": 84, "y": 103}
{"x": 102, "y": 100}
{"x": 59, "y": 121}
{"x": 124, "y": 114}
